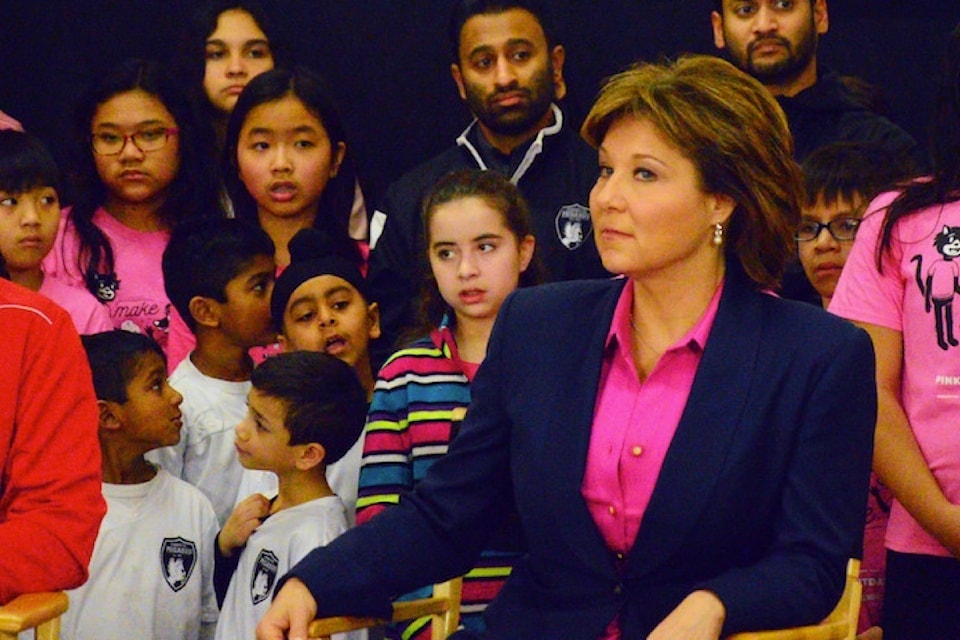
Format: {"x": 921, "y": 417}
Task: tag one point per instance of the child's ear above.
{"x": 111, "y": 415}
{"x": 310, "y": 455}
{"x": 527, "y": 246}
{"x": 373, "y": 320}
{"x": 337, "y": 159}
{"x": 282, "y": 341}
{"x": 204, "y": 311}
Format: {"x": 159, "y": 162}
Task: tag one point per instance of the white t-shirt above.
{"x": 343, "y": 476}
{"x": 206, "y": 456}
{"x": 151, "y": 574}
{"x": 281, "y": 541}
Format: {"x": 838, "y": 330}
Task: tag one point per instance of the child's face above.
{"x": 328, "y": 314}
{"x": 151, "y": 414}
{"x": 134, "y": 176}
{"x": 262, "y": 440}
{"x": 28, "y": 227}
{"x": 824, "y": 256}
{"x": 236, "y": 52}
{"x": 475, "y": 258}
{"x": 245, "y": 316}
{"x": 285, "y": 158}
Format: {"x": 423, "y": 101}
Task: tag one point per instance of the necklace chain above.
{"x": 636, "y": 332}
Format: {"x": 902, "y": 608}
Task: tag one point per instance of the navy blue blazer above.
{"x": 761, "y": 497}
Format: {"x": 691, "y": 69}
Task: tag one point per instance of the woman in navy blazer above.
{"x": 759, "y": 499}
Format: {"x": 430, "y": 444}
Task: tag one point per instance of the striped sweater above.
{"x": 421, "y": 396}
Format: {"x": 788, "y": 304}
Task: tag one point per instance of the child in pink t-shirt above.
{"x": 29, "y": 213}
{"x": 901, "y": 284}
{"x": 145, "y": 166}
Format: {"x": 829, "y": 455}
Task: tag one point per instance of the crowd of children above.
{"x": 217, "y": 231}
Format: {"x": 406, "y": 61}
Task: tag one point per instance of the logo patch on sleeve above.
{"x": 178, "y": 557}
{"x": 264, "y": 576}
{"x": 573, "y": 225}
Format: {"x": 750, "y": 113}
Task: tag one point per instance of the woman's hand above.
{"x": 292, "y": 610}
{"x": 246, "y": 517}
{"x": 699, "y": 617}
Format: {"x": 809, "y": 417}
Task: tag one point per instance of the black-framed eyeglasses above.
{"x": 108, "y": 143}
{"x": 840, "y": 229}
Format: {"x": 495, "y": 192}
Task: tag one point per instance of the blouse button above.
{"x": 612, "y": 511}
{"x": 636, "y": 450}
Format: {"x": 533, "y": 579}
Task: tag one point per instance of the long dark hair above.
{"x": 336, "y": 201}
{"x": 193, "y": 191}
{"x": 501, "y": 195}
{"x": 190, "y": 62}
{"x": 944, "y": 186}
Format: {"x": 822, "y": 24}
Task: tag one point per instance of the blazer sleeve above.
{"x": 436, "y": 531}
{"x": 822, "y": 506}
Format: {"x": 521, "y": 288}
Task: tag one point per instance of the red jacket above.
{"x": 50, "y": 500}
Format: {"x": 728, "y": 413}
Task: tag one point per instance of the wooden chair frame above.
{"x": 33, "y": 610}
{"x": 841, "y": 624}
{"x": 443, "y": 607}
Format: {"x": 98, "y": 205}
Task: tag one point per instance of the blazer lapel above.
{"x": 707, "y": 427}
{"x": 570, "y": 424}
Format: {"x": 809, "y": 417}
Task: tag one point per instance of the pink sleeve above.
{"x": 61, "y": 262}
{"x": 51, "y": 505}
{"x": 863, "y": 293}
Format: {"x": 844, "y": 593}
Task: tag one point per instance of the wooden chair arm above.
{"x": 832, "y": 631}
{"x": 841, "y": 624}
{"x": 407, "y": 610}
{"x": 32, "y": 610}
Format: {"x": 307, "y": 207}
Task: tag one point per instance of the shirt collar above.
{"x": 620, "y": 329}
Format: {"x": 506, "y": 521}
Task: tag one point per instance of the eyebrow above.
{"x": 144, "y": 123}
{"x": 489, "y": 48}
{"x": 246, "y": 43}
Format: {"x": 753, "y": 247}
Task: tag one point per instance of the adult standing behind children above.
{"x": 776, "y": 43}
{"x": 50, "y": 502}
{"x": 508, "y": 68}
{"x": 899, "y": 283}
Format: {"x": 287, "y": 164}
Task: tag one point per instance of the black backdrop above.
{"x": 387, "y": 58}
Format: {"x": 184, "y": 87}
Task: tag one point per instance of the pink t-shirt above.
{"x": 915, "y": 296}
{"x": 89, "y": 316}
{"x": 633, "y": 425}
{"x": 134, "y": 294}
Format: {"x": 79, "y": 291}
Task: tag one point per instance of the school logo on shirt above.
{"x": 178, "y": 557}
{"x": 573, "y": 225}
{"x": 264, "y": 576}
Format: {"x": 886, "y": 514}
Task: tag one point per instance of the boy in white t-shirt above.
{"x": 29, "y": 219}
{"x": 305, "y": 410}
{"x": 151, "y": 575}
{"x": 219, "y": 275}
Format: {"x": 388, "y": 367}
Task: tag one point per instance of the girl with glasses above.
{"x": 142, "y": 167}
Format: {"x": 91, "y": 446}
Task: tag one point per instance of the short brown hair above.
{"x": 734, "y": 132}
